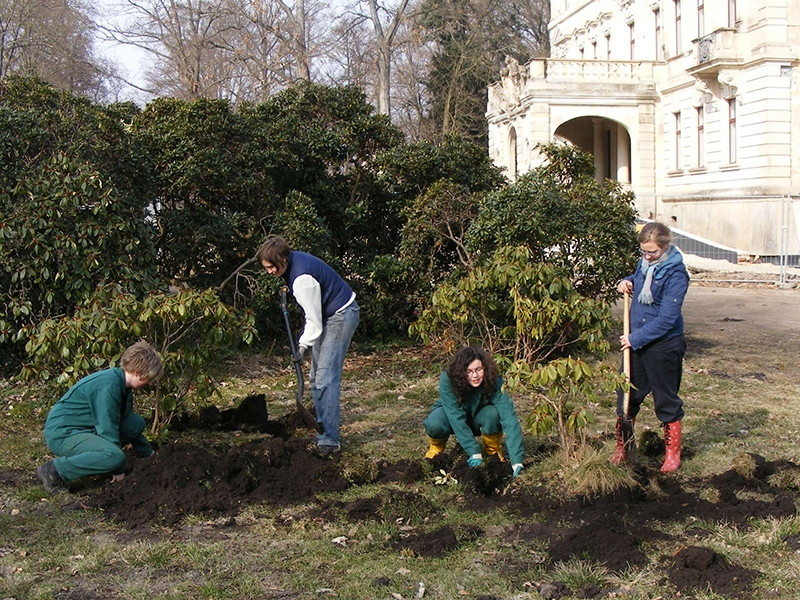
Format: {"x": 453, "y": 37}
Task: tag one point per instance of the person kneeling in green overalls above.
{"x": 472, "y": 402}
{"x": 93, "y": 421}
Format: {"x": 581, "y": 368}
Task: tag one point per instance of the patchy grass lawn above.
{"x": 400, "y": 527}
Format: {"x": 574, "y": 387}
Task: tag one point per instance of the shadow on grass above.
{"x": 723, "y": 426}
{"x": 698, "y": 346}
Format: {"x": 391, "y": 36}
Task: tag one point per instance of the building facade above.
{"x": 692, "y": 104}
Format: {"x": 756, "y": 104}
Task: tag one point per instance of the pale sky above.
{"x": 130, "y": 59}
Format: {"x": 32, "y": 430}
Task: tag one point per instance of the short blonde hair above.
{"x": 141, "y": 359}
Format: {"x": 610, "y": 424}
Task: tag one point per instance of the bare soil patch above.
{"x": 182, "y": 479}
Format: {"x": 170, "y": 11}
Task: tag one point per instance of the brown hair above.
{"x": 457, "y": 372}
{"x": 141, "y": 359}
{"x": 657, "y": 233}
{"x": 275, "y": 251}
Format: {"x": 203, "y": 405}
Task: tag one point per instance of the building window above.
{"x": 701, "y": 137}
{"x": 608, "y": 46}
{"x": 732, "y": 147}
{"x": 701, "y": 18}
{"x": 678, "y": 42}
{"x": 632, "y": 35}
{"x": 731, "y": 13}
{"x": 657, "y": 21}
{"x": 594, "y": 49}
{"x": 677, "y": 118}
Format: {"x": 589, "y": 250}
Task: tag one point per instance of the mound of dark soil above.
{"x": 179, "y": 480}
{"x": 697, "y": 568}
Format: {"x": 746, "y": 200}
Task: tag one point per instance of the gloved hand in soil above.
{"x": 516, "y": 469}
{"x": 476, "y": 460}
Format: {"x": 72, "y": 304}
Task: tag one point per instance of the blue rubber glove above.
{"x": 516, "y": 469}
{"x": 476, "y": 460}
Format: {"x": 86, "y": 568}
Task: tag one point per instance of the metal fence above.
{"x": 779, "y": 264}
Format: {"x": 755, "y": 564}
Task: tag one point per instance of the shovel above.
{"x": 626, "y": 423}
{"x": 308, "y": 418}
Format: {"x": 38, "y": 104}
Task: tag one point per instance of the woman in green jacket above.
{"x": 472, "y": 402}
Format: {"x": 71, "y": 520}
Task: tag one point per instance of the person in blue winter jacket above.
{"x": 94, "y": 420}
{"x": 331, "y": 318}
{"x": 472, "y": 402}
{"x": 656, "y": 339}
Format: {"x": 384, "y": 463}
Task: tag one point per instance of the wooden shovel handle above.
{"x": 626, "y": 354}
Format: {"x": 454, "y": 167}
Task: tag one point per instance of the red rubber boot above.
{"x": 672, "y": 445}
{"x": 619, "y": 451}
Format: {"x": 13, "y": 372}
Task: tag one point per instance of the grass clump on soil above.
{"x": 591, "y": 474}
{"x": 259, "y": 517}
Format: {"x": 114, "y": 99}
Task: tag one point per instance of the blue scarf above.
{"x": 649, "y": 268}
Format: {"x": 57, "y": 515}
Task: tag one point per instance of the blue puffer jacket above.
{"x": 662, "y": 319}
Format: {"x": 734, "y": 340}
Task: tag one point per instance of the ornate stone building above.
{"x": 693, "y": 104}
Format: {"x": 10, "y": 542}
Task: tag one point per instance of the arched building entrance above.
{"x": 606, "y": 140}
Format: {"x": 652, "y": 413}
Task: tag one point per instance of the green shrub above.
{"x": 193, "y": 331}
{"x": 515, "y": 307}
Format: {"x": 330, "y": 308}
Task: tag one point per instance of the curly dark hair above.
{"x": 457, "y": 372}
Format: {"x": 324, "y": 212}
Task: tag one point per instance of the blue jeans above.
{"x": 325, "y": 376}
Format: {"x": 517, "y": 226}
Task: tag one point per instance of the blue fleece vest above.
{"x": 335, "y": 291}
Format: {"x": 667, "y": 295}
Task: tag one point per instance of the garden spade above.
{"x": 304, "y": 412}
{"x": 626, "y": 424}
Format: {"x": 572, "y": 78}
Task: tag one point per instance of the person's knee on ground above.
{"x": 99, "y": 461}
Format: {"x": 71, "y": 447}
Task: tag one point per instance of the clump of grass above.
{"x": 408, "y": 506}
{"x": 653, "y": 489}
{"x": 745, "y": 465}
{"x": 787, "y": 479}
{"x": 577, "y": 574}
{"x": 359, "y": 469}
{"x": 709, "y": 494}
{"x": 589, "y": 473}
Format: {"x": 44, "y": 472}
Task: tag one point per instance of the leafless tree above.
{"x": 185, "y": 38}
{"x": 53, "y": 40}
{"x": 471, "y": 40}
{"x": 384, "y": 40}
{"x": 242, "y": 50}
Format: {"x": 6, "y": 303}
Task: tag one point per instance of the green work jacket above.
{"x": 98, "y": 403}
{"x": 461, "y": 416}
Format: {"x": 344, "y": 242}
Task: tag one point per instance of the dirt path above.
{"x": 743, "y": 311}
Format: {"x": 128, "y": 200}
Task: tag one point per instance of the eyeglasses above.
{"x": 649, "y": 252}
{"x": 477, "y": 371}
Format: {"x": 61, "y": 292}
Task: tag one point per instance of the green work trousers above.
{"x": 86, "y": 453}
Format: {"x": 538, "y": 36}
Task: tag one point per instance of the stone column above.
{"x": 623, "y": 155}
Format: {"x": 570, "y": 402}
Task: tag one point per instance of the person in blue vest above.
{"x": 331, "y": 318}
{"x": 93, "y": 421}
{"x": 656, "y": 339}
{"x": 472, "y": 402}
